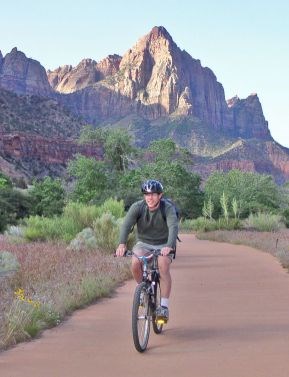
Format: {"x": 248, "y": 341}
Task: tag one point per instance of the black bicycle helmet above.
{"x": 152, "y": 186}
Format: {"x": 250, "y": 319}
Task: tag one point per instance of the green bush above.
{"x": 285, "y": 215}
{"x": 202, "y": 224}
{"x": 82, "y": 215}
{"x": 34, "y": 234}
{"x": 47, "y": 197}
{"x": 106, "y": 230}
{"x": 264, "y": 222}
{"x": 14, "y": 205}
{"x": 84, "y": 240}
{"x": 251, "y": 192}
{"x": 56, "y": 228}
{"x": 113, "y": 206}
{"x": 14, "y": 232}
{"x": 228, "y": 224}
{"x": 76, "y": 217}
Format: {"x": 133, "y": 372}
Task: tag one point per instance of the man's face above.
{"x": 152, "y": 200}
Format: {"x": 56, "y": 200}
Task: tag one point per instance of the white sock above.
{"x": 165, "y": 302}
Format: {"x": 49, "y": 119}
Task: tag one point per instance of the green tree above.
{"x": 167, "y": 150}
{"x": 254, "y": 192}
{"x": 164, "y": 150}
{"x": 90, "y": 134}
{"x": 5, "y": 181}
{"x": 117, "y": 145}
{"x": 14, "y": 205}
{"x": 118, "y": 149}
{"x": 48, "y": 197}
{"x": 90, "y": 180}
{"x": 181, "y": 186}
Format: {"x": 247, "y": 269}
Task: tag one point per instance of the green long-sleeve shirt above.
{"x": 151, "y": 227}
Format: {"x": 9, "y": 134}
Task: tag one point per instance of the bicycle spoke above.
{"x": 141, "y": 318}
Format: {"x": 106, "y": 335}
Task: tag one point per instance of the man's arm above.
{"x": 129, "y": 221}
{"x": 173, "y": 226}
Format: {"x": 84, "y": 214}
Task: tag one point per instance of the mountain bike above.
{"x": 146, "y": 299}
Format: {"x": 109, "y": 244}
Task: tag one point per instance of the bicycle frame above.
{"x": 146, "y": 299}
{"x": 150, "y": 270}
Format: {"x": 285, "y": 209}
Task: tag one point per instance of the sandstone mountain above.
{"x": 21, "y": 75}
{"x": 155, "y": 90}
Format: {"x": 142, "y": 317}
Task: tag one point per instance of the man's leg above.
{"x": 165, "y": 276}
{"x": 136, "y": 269}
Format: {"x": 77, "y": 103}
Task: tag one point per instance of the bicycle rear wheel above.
{"x": 157, "y": 326}
{"x": 141, "y": 318}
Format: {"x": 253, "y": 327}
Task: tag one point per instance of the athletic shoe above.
{"x": 162, "y": 314}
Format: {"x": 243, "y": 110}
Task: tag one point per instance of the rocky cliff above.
{"x": 156, "y": 90}
{"x": 248, "y": 118}
{"x": 68, "y": 79}
{"x": 155, "y": 79}
{"x": 23, "y": 76}
{"x": 37, "y": 156}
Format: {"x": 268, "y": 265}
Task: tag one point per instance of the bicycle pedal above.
{"x": 161, "y": 321}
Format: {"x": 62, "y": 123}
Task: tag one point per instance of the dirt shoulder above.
{"x": 229, "y": 318}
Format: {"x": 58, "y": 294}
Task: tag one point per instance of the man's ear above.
{"x": 160, "y": 195}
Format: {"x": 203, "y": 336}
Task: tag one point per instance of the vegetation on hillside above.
{"x": 30, "y": 113}
{"x": 56, "y": 253}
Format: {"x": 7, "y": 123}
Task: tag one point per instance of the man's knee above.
{"x": 164, "y": 263}
{"x": 135, "y": 264}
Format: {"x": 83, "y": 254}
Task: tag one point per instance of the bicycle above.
{"x": 146, "y": 299}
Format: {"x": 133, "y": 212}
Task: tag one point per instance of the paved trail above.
{"x": 229, "y": 318}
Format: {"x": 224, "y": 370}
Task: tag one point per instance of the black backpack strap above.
{"x": 163, "y": 209}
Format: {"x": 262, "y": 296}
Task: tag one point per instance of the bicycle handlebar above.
{"x": 155, "y": 252}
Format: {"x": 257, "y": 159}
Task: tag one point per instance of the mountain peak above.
{"x": 159, "y": 31}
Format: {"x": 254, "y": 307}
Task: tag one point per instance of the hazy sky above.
{"x": 245, "y": 43}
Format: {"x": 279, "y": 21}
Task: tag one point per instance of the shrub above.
{"x": 201, "y": 224}
{"x": 14, "y": 231}
{"x": 14, "y": 205}
{"x": 264, "y": 222}
{"x": 84, "y": 240}
{"x": 47, "y": 197}
{"x": 285, "y": 214}
{"x": 82, "y": 215}
{"x": 113, "y": 206}
{"x": 56, "y": 228}
{"x": 106, "y": 232}
{"x": 228, "y": 224}
{"x": 34, "y": 234}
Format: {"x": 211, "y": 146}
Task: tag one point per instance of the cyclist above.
{"x": 153, "y": 231}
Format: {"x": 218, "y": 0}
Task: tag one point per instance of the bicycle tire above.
{"x": 157, "y": 327}
{"x": 141, "y": 317}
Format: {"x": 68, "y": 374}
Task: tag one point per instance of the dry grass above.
{"x": 275, "y": 243}
{"x": 61, "y": 280}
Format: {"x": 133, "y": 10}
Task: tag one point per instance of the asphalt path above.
{"x": 229, "y": 317}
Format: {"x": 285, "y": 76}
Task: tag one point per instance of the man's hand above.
{"x": 121, "y": 249}
{"x": 166, "y": 250}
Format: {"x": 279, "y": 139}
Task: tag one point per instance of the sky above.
{"x": 245, "y": 43}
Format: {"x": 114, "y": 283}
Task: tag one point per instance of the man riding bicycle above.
{"x": 153, "y": 231}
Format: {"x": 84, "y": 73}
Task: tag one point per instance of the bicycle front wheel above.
{"x": 157, "y": 326}
{"x": 141, "y": 317}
